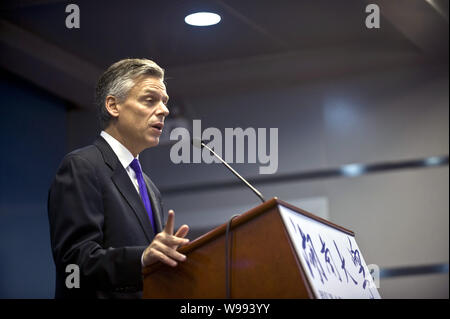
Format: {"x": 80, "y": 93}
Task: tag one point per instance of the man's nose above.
{"x": 162, "y": 109}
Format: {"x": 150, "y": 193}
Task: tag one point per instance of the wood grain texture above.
{"x": 263, "y": 261}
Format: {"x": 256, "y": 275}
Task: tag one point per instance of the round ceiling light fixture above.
{"x": 202, "y": 19}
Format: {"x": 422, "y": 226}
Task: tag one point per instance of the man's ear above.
{"x": 112, "y": 106}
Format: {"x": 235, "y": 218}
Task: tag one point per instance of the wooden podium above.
{"x": 262, "y": 261}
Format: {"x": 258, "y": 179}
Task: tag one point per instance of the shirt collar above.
{"x": 124, "y": 155}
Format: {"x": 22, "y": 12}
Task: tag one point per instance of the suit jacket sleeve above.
{"x": 76, "y": 218}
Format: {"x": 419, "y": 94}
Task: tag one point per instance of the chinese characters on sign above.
{"x": 331, "y": 258}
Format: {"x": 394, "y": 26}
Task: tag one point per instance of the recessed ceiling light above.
{"x": 202, "y": 19}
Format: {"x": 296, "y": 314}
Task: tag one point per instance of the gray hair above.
{"x": 118, "y": 80}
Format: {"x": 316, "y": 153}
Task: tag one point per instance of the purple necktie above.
{"x": 143, "y": 190}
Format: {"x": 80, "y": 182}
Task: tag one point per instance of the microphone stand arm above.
{"x": 235, "y": 173}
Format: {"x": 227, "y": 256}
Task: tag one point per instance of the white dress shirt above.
{"x": 124, "y": 155}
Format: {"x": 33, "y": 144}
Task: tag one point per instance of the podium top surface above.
{"x": 243, "y": 218}
{"x": 252, "y": 213}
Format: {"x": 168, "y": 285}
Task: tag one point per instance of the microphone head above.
{"x": 197, "y": 142}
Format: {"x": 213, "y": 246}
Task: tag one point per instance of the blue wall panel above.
{"x": 32, "y": 143}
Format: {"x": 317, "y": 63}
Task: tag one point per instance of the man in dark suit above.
{"x": 105, "y": 214}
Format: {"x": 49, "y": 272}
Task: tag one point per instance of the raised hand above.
{"x": 164, "y": 246}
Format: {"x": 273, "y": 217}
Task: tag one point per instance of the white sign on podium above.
{"x": 331, "y": 259}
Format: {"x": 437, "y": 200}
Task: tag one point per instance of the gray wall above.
{"x": 400, "y": 217}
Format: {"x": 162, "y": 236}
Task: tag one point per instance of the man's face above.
{"x": 142, "y": 114}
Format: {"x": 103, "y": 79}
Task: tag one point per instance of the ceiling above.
{"x": 35, "y": 43}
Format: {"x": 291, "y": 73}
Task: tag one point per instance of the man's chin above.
{"x": 152, "y": 142}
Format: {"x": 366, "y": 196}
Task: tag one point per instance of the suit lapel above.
{"x": 123, "y": 183}
{"x": 128, "y": 191}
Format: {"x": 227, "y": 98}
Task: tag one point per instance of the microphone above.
{"x": 199, "y": 144}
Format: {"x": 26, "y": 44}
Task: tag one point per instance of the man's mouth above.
{"x": 158, "y": 126}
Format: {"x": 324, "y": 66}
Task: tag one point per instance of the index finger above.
{"x": 170, "y": 223}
